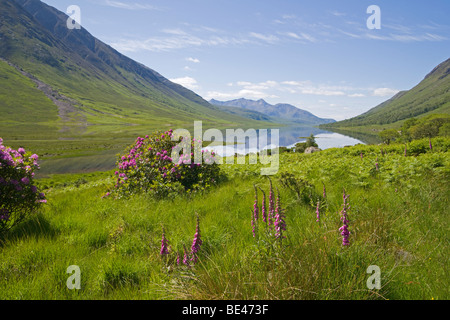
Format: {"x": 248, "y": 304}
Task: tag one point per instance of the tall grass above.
{"x": 398, "y": 221}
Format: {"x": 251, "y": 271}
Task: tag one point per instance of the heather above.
{"x": 308, "y": 232}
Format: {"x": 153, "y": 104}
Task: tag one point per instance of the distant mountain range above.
{"x": 261, "y": 110}
{"x": 430, "y": 96}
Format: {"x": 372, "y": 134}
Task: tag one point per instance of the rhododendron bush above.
{"x": 19, "y": 197}
{"x": 147, "y": 166}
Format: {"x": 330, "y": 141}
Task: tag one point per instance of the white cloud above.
{"x": 244, "y": 93}
{"x": 129, "y": 6}
{"x": 338, "y": 14}
{"x": 175, "y": 39}
{"x": 193, "y": 60}
{"x": 293, "y": 35}
{"x": 306, "y": 87}
{"x": 289, "y": 16}
{"x": 270, "y": 38}
{"x": 356, "y": 95}
{"x": 296, "y": 83}
{"x": 244, "y": 83}
{"x": 384, "y": 92}
{"x": 176, "y": 32}
{"x": 322, "y": 92}
{"x": 186, "y": 82}
{"x": 308, "y": 37}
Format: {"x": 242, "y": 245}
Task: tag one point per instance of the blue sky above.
{"x": 317, "y": 55}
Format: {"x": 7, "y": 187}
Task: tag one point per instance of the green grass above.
{"x": 398, "y": 221}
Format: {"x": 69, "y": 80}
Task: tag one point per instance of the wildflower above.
{"x": 255, "y": 206}
{"x": 405, "y": 150}
{"x": 186, "y": 257}
{"x": 197, "y": 242}
{"x": 376, "y": 166}
{"x": 280, "y": 224}
{"x": 324, "y": 191}
{"x": 344, "y": 218}
{"x": 431, "y": 147}
{"x": 164, "y": 245}
{"x": 361, "y": 155}
{"x": 263, "y": 206}
{"x": 178, "y": 258}
{"x": 271, "y": 205}
{"x": 317, "y": 211}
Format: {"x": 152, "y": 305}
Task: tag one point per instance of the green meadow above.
{"x": 398, "y": 221}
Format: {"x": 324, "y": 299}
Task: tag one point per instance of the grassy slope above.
{"x": 398, "y": 221}
{"x": 22, "y": 105}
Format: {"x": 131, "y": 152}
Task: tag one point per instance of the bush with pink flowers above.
{"x": 147, "y": 166}
{"x": 19, "y": 197}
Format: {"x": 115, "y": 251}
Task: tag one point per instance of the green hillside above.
{"x": 430, "y": 96}
{"x": 29, "y": 102}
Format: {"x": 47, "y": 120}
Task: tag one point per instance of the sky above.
{"x": 336, "y": 59}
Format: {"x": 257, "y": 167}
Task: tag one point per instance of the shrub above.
{"x": 389, "y": 135}
{"x": 19, "y": 197}
{"x": 300, "y": 147}
{"x": 147, "y": 166}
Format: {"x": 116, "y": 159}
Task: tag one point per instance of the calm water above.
{"x": 288, "y": 137}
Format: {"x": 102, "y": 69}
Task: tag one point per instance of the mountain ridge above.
{"x": 283, "y": 112}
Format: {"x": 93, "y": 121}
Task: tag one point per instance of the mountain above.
{"x": 430, "y": 96}
{"x": 76, "y": 101}
{"x": 281, "y": 112}
{"x": 99, "y": 85}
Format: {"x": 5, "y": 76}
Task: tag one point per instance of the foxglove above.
{"x": 344, "y": 218}
{"x": 255, "y": 213}
{"x": 280, "y": 224}
{"x": 197, "y": 242}
{"x": 271, "y": 206}
{"x": 318, "y": 211}
{"x": 164, "y": 245}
